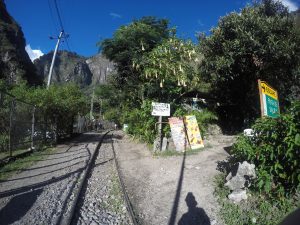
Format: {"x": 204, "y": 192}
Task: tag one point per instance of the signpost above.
{"x": 160, "y": 109}
{"x": 268, "y": 100}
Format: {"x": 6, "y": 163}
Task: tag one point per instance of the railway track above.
{"x": 78, "y": 185}
{"x": 101, "y": 194}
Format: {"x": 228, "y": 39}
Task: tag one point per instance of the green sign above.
{"x": 269, "y": 100}
{"x": 271, "y": 107}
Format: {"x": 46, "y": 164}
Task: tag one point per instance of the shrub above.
{"x": 141, "y": 123}
{"x": 204, "y": 118}
{"x": 275, "y": 150}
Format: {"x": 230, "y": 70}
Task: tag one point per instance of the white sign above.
{"x": 160, "y": 109}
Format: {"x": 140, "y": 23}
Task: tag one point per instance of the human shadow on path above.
{"x": 18, "y": 206}
{"x": 195, "y": 215}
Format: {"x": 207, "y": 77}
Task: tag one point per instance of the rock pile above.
{"x": 238, "y": 181}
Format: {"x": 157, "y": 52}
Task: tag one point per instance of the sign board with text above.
{"x": 193, "y": 132}
{"x": 268, "y": 100}
{"x": 178, "y": 133}
{"x": 160, "y": 109}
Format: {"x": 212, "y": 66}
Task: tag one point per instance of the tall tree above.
{"x": 259, "y": 43}
{"x": 130, "y": 42}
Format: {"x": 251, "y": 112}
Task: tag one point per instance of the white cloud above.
{"x": 33, "y": 53}
{"x": 292, "y": 6}
{"x": 115, "y": 15}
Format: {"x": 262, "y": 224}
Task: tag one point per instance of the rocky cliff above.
{"x": 15, "y": 64}
{"x": 70, "y": 67}
{"x": 100, "y": 67}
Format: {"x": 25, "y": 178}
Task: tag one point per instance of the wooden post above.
{"x": 260, "y": 98}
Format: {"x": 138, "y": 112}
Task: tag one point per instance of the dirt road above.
{"x": 171, "y": 190}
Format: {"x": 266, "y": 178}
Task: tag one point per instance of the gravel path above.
{"x": 102, "y": 201}
{"x": 39, "y": 194}
{"x": 172, "y": 190}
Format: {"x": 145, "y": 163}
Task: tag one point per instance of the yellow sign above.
{"x": 268, "y": 100}
{"x": 193, "y": 132}
{"x": 266, "y": 89}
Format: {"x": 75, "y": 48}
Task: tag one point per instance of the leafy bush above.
{"x": 141, "y": 123}
{"x": 60, "y": 104}
{"x": 256, "y": 210}
{"x": 204, "y": 118}
{"x": 275, "y": 150}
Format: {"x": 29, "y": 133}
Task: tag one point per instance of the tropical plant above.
{"x": 275, "y": 150}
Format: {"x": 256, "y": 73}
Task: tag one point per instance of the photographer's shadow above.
{"x": 195, "y": 215}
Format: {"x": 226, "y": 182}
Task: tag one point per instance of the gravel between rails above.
{"x": 102, "y": 201}
{"x": 39, "y": 194}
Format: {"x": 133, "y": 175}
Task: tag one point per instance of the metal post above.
{"x": 92, "y": 105}
{"x": 53, "y": 58}
{"x": 32, "y": 128}
{"x": 10, "y": 127}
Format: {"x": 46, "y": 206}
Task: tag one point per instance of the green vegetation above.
{"x": 275, "y": 150}
{"x": 115, "y": 201}
{"x": 23, "y": 163}
{"x": 258, "y": 209}
{"x": 261, "y": 42}
{"x": 60, "y": 104}
{"x": 153, "y": 65}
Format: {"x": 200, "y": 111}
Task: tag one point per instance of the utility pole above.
{"x": 53, "y": 58}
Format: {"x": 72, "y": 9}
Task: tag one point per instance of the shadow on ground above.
{"x": 194, "y": 215}
{"x": 18, "y": 206}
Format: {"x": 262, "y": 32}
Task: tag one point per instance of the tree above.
{"x": 131, "y": 41}
{"x": 170, "y": 69}
{"x": 60, "y": 104}
{"x": 259, "y": 43}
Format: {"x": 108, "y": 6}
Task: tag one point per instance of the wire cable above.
{"x": 58, "y": 14}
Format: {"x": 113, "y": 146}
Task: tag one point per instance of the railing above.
{"x": 23, "y": 126}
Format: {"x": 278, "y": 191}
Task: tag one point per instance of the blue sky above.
{"x": 88, "y": 21}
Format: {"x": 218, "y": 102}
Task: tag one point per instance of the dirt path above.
{"x": 171, "y": 190}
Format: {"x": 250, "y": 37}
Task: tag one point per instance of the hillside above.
{"x": 70, "y": 67}
{"x": 15, "y": 63}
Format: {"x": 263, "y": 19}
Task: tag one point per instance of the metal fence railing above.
{"x": 22, "y": 126}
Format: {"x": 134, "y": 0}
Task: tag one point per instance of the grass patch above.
{"x": 256, "y": 210}
{"x": 171, "y": 152}
{"x": 19, "y": 164}
{"x": 115, "y": 199}
{"x": 14, "y": 153}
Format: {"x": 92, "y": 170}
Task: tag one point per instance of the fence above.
{"x": 22, "y": 126}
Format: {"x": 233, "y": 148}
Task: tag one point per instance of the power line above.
{"x": 58, "y": 14}
{"x": 61, "y": 25}
{"x": 65, "y": 36}
{"x": 54, "y": 22}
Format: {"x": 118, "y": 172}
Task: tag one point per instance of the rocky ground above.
{"x": 175, "y": 189}
{"x": 102, "y": 201}
{"x": 39, "y": 194}
{"x": 162, "y": 190}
